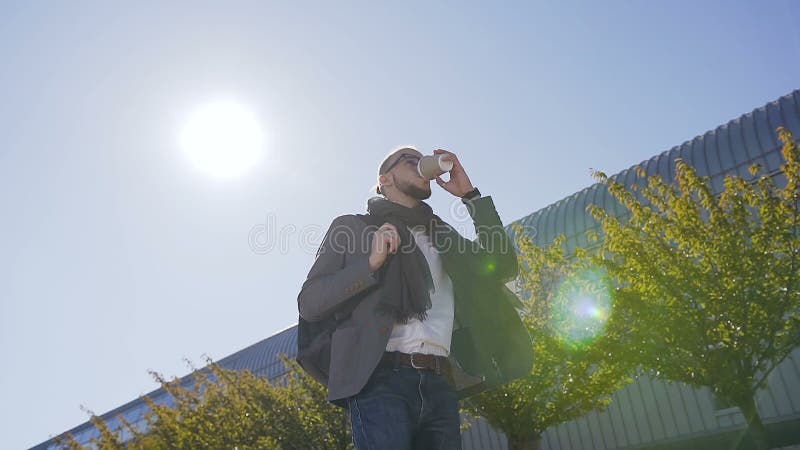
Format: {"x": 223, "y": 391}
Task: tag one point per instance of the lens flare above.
{"x": 581, "y": 306}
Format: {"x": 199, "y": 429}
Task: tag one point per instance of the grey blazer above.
{"x": 490, "y": 345}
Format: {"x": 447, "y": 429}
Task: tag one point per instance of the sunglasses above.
{"x": 413, "y": 159}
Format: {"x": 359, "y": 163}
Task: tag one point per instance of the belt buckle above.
{"x": 412, "y": 361}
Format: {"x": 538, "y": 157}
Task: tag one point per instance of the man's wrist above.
{"x": 474, "y": 194}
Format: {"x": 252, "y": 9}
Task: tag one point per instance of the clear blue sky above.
{"x": 119, "y": 257}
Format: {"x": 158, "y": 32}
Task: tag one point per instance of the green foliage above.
{"x": 572, "y": 373}
{"x": 709, "y": 278}
{"x": 233, "y": 409}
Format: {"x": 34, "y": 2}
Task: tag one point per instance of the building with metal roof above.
{"x": 648, "y": 413}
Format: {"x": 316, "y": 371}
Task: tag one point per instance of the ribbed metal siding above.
{"x": 651, "y": 411}
{"x": 731, "y": 148}
{"x": 480, "y": 435}
{"x": 261, "y": 358}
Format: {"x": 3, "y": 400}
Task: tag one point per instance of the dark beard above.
{"x": 417, "y": 192}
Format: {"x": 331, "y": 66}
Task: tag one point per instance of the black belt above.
{"x": 439, "y": 364}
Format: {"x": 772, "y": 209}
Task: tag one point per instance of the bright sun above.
{"x": 222, "y": 139}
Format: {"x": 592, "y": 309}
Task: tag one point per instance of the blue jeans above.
{"x": 404, "y": 408}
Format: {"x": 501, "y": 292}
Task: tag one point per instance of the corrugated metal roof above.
{"x": 730, "y": 148}
{"x": 261, "y": 357}
{"x": 648, "y": 411}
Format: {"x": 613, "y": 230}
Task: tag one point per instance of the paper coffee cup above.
{"x": 431, "y": 166}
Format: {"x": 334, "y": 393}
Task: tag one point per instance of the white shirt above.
{"x": 433, "y": 335}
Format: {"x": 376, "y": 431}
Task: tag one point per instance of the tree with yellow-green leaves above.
{"x": 578, "y": 340}
{"x": 234, "y": 409}
{"x": 710, "y": 279}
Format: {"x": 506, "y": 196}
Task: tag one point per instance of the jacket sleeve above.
{"x": 496, "y": 254}
{"x": 340, "y": 271}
